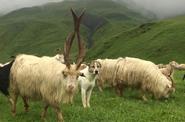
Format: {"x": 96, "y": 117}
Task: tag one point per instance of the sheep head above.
{"x": 72, "y": 71}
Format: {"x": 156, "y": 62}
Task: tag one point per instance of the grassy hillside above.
{"x": 40, "y": 30}
{"x": 161, "y": 41}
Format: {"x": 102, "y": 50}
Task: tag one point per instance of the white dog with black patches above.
{"x": 87, "y": 81}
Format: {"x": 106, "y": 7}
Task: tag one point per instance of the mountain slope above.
{"x": 159, "y": 41}
{"x": 40, "y": 30}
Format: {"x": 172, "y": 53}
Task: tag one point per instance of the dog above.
{"x": 87, "y": 81}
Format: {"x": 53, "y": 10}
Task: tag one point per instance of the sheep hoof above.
{"x": 144, "y": 98}
{"x": 26, "y": 110}
{"x": 13, "y": 114}
{"x": 43, "y": 119}
{"x": 100, "y": 89}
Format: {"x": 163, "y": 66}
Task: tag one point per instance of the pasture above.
{"x": 115, "y": 31}
{"x": 107, "y": 107}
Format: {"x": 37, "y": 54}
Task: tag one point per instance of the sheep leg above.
{"x": 173, "y": 83}
{"x": 59, "y": 113}
{"x": 83, "y": 93}
{"x": 119, "y": 89}
{"x": 89, "y": 96}
{"x": 143, "y": 96}
{"x": 71, "y": 99}
{"x": 13, "y": 101}
{"x": 26, "y": 106}
{"x": 43, "y": 115}
{"x": 183, "y": 77}
{"x": 100, "y": 85}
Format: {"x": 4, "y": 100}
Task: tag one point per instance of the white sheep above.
{"x": 168, "y": 71}
{"x": 108, "y": 68}
{"x": 143, "y": 74}
{"x": 177, "y": 65}
{"x": 58, "y": 57}
{"x": 47, "y": 79}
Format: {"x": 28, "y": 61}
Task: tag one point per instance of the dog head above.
{"x": 94, "y": 67}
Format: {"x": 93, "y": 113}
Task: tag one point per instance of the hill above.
{"x": 160, "y": 41}
{"x": 40, "y": 30}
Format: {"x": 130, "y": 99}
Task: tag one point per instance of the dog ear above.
{"x": 82, "y": 75}
{"x": 99, "y": 63}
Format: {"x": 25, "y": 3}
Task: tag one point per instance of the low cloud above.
{"x": 10, "y": 5}
{"x": 161, "y": 8}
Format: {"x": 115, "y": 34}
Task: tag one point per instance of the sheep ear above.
{"x": 64, "y": 74}
{"x": 83, "y": 66}
{"x": 167, "y": 86}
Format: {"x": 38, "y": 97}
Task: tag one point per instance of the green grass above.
{"x": 107, "y": 107}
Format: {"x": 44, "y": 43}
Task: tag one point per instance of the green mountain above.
{"x": 40, "y": 30}
{"x": 109, "y": 28}
{"x": 161, "y": 41}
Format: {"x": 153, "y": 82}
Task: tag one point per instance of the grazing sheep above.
{"x": 87, "y": 81}
{"x": 144, "y": 75}
{"x": 168, "y": 71}
{"x": 47, "y": 79}
{"x": 107, "y": 72}
{"x": 177, "y": 66}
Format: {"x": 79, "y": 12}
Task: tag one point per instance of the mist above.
{"x": 10, "y": 5}
{"x": 161, "y": 8}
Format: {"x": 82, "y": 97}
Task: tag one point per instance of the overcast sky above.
{"x": 9, "y": 5}
{"x": 162, "y": 8}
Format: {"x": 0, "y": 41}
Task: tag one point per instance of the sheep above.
{"x": 87, "y": 81}
{"x": 46, "y": 79}
{"x": 168, "y": 71}
{"x": 106, "y": 72}
{"x": 144, "y": 75}
{"x": 177, "y": 66}
{"x": 58, "y": 57}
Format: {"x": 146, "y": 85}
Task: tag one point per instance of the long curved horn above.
{"x": 81, "y": 44}
{"x": 67, "y": 47}
{"x": 69, "y": 41}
